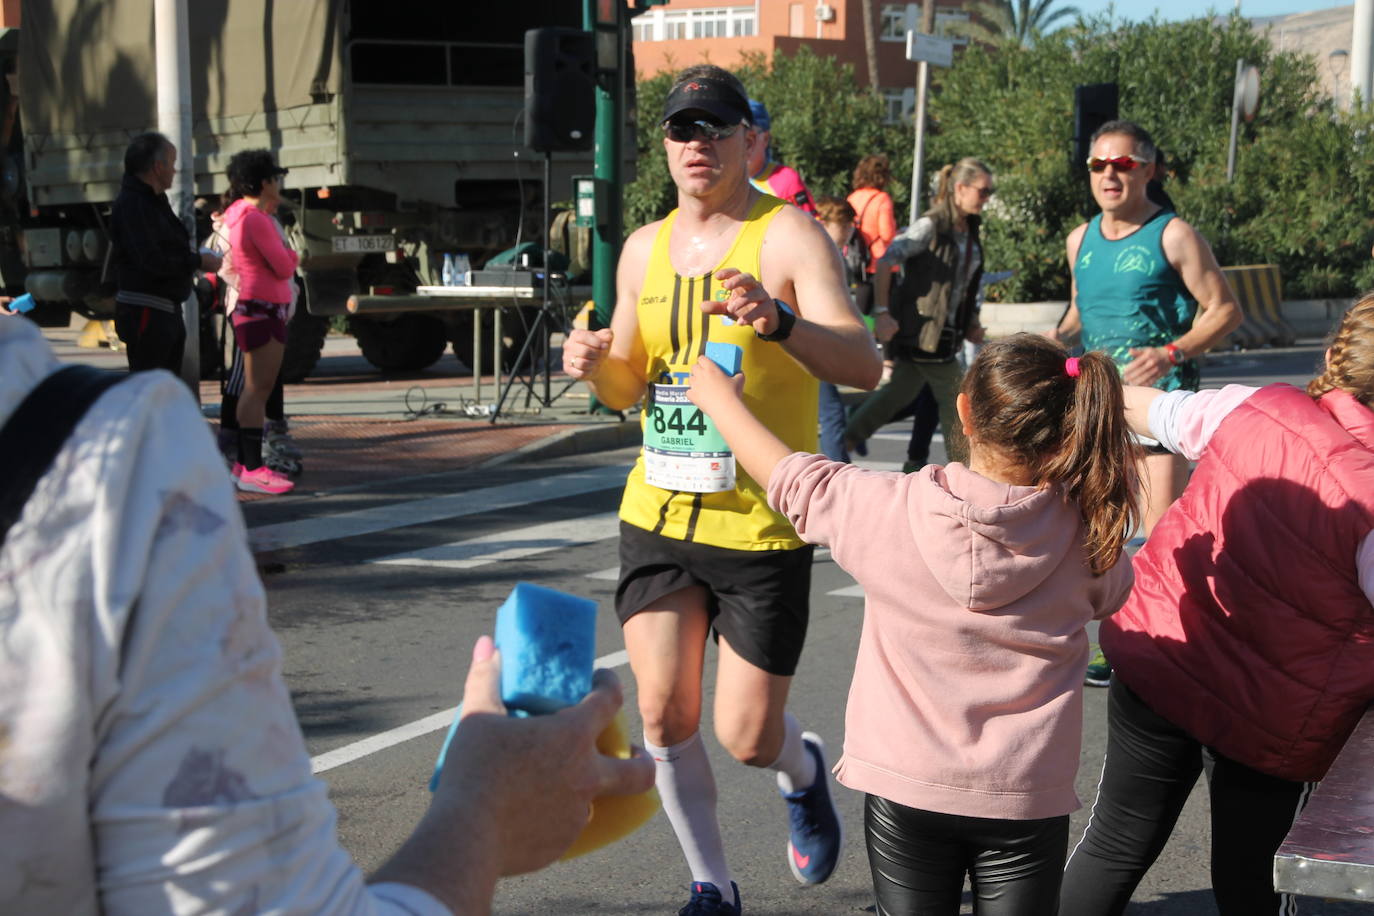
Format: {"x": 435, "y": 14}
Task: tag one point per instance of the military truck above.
{"x": 400, "y": 122}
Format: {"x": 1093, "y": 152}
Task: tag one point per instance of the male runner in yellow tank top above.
{"x": 700, "y": 549}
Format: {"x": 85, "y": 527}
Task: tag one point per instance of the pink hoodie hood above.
{"x": 990, "y": 544}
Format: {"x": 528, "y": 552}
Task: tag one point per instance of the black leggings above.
{"x": 1150, "y": 770}
{"x": 919, "y": 860}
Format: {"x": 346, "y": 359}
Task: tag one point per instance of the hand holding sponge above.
{"x": 547, "y": 641}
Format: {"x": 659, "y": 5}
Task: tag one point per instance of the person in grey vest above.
{"x": 926, "y": 320}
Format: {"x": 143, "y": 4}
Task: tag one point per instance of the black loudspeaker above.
{"x": 1093, "y": 105}
{"x": 560, "y": 89}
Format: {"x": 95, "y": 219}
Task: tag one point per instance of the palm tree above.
{"x": 1016, "y": 21}
{"x": 871, "y": 46}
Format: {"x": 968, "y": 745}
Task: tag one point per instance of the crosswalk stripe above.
{"x": 511, "y": 544}
{"x": 432, "y": 509}
{"x": 878, "y": 465}
{"x": 402, "y": 733}
{"x": 899, "y": 435}
{"x": 852, "y": 591}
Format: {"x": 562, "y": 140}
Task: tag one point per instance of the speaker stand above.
{"x": 551, "y": 317}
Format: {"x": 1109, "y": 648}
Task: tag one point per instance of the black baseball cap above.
{"x": 716, "y": 98}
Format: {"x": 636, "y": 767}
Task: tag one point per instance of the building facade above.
{"x": 1327, "y": 35}
{"x": 686, "y": 32}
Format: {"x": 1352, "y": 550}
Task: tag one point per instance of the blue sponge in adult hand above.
{"x": 547, "y": 641}
{"x": 727, "y": 356}
{"x": 548, "y": 648}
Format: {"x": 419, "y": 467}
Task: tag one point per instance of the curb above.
{"x": 603, "y": 437}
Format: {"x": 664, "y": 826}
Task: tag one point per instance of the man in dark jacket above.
{"x": 153, "y": 259}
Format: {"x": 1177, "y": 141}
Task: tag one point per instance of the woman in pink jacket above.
{"x": 265, "y": 268}
{"x": 965, "y": 713}
{"x": 1246, "y": 650}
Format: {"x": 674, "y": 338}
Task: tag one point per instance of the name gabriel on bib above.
{"x": 682, "y": 448}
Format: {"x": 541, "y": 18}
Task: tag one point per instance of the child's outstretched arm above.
{"x": 1138, "y": 402}
{"x": 754, "y": 445}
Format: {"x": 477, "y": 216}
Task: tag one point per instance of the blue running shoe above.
{"x": 813, "y": 849}
{"x": 706, "y": 901}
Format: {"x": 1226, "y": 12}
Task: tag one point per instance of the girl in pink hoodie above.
{"x": 965, "y": 712}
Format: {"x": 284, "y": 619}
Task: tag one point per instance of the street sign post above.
{"x": 926, "y": 50}
{"x": 934, "y": 50}
{"x": 1244, "y": 101}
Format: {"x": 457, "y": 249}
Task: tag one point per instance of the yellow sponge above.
{"x": 614, "y": 816}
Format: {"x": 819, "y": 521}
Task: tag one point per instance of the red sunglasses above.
{"x": 1120, "y": 163}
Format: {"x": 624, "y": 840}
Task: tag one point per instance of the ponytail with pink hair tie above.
{"x": 1071, "y": 366}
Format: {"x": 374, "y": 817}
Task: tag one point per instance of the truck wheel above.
{"x": 410, "y": 342}
{"x": 304, "y": 341}
{"x": 514, "y": 329}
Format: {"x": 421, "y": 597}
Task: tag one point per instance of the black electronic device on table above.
{"x": 495, "y": 276}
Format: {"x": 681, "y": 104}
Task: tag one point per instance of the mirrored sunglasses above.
{"x": 685, "y": 131}
{"x": 1120, "y": 163}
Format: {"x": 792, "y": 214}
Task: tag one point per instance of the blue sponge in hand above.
{"x": 548, "y": 648}
{"x": 727, "y": 356}
{"x": 547, "y": 641}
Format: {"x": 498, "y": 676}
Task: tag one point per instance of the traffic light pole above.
{"x": 605, "y": 19}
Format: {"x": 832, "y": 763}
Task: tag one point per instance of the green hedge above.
{"x": 1305, "y": 170}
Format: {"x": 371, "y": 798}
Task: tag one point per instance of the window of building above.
{"x": 898, "y": 105}
{"x": 892, "y": 24}
{"x": 950, "y": 15}
{"x": 720, "y": 22}
{"x": 674, "y": 26}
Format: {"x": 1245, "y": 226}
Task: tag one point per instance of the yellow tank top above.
{"x": 777, "y": 389}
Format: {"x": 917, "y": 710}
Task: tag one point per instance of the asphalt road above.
{"x": 382, "y": 590}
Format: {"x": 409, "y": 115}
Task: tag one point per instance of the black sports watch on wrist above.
{"x": 787, "y": 319}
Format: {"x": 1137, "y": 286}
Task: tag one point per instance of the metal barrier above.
{"x": 1329, "y": 852}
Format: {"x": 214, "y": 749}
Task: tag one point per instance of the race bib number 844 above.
{"x": 682, "y": 449}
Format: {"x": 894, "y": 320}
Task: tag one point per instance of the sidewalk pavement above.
{"x": 357, "y": 425}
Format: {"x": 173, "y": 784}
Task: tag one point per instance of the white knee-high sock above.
{"x": 687, "y": 788}
{"x": 795, "y": 766}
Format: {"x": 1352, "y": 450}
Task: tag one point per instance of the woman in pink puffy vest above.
{"x": 1246, "y": 649}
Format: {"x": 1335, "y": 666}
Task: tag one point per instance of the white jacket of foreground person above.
{"x": 150, "y": 760}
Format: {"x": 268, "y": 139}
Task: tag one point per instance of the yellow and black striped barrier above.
{"x": 1259, "y": 292}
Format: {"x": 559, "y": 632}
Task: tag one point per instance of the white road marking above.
{"x": 903, "y": 435}
{"x": 511, "y": 544}
{"x": 432, "y": 509}
{"x": 399, "y": 735}
{"x": 505, "y": 545}
{"x": 878, "y": 465}
{"x": 852, "y": 591}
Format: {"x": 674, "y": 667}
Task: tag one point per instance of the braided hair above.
{"x": 1350, "y": 357}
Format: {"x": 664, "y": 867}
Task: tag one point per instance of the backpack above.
{"x": 38, "y": 429}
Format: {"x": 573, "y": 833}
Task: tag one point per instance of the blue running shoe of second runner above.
{"x": 706, "y": 901}
{"x": 813, "y": 849}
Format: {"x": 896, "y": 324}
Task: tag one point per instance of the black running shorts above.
{"x": 759, "y": 600}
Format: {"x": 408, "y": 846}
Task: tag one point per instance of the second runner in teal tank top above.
{"x": 1129, "y": 296}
